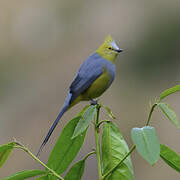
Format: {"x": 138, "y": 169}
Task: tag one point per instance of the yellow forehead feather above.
{"x": 108, "y": 39}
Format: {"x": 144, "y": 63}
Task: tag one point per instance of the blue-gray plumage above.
{"x": 95, "y": 75}
{"x": 93, "y": 67}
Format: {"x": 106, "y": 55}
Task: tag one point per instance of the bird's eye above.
{"x": 109, "y": 48}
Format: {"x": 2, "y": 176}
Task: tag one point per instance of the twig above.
{"x": 20, "y": 146}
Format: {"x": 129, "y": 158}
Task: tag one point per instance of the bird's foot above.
{"x": 94, "y": 102}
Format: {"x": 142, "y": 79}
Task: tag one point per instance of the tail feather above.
{"x": 69, "y": 102}
{"x": 64, "y": 109}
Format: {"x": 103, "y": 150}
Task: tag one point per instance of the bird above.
{"x": 93, "y": 78}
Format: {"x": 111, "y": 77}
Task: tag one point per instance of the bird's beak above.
{"x": 115, "y": 47}
{"x": 119, "y": 50}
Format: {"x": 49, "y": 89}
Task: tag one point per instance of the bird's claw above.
{"x": 94, "y": 102}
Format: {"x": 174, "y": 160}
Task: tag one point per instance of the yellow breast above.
{"x": 98, "y": 86}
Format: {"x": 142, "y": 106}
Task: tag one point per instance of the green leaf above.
{"x": 170, "y": 114}
{"x": 114, "y": 148}
{"x": 110, "y": 114}
{"x": 84, "y": 121}
{"x": 83, "y": 110}
{"x": 76, "y": 171}
{"x": 169, "y": 91}
{"x": 42, "y": 177}
{"x": 170, "y": 157}
{"x": 66, "y": 148}
{"x": 147, "y": 143}
{"x": 25, "y": 174}
{"x": 5, "y": 151}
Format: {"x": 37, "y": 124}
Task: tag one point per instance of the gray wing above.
{"x": 89, "y": 71}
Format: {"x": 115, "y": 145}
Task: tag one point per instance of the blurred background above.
{"x": 43, "y": 43}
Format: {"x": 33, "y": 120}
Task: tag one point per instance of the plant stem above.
{"x": 150, "y": 114}
{"x": 38, "y": 160}
{"x": 98, "y": 155}
{"x": 103, "y": 121}
{"x": 90, "y": 153}
{"x": 111, "y": 170}
{"x": 133, "y": 147}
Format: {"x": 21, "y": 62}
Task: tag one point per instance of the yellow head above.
{"x": 109, "y": 49}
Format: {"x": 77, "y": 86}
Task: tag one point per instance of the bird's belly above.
{"x": 98, "y": 86}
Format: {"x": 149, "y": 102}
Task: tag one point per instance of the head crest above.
{"x": 108, "y": 39}
{"x": 109, "y": 49}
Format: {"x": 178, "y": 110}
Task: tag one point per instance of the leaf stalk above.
{"x": 111, "y": 170}
{"x": 150, "y": 113}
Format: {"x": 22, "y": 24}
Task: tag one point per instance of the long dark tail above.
{"x": 64, "y": 109}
